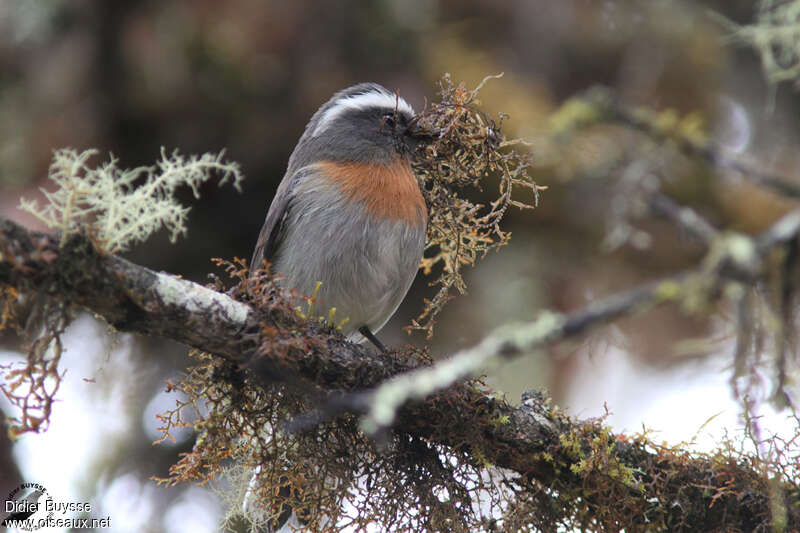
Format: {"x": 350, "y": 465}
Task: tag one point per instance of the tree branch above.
{"x": 684, "y": 217}
{"x": 734, "y": 257}
{"x": 546, "y": 448}
{"x": 714, "y": 155}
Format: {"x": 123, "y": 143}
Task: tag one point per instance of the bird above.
{"x": 348, "y": 221}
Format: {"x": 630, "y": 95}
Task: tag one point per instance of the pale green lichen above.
{"x": 193, "y": 297}
{"x": 114, "y": 206}
{"x": 741, "y": 248}
{"x": 418, "y": 384}
{"x": 578, "y": 113}
{"x": 775, "y": 36}
{"x": 668, "y": 290}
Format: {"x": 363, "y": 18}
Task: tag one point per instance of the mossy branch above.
{"x": 580, "y": 467}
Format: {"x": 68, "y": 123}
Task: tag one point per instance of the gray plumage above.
{"x": 314, "y": 232}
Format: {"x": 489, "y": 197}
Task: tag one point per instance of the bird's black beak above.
{"x": 418, "y": 131}
{"x": 417, "y": 135}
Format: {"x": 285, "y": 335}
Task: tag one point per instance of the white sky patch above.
{"x": 681, "y": 403}
{"x": 160, "y": 403}
{"x": 196, "y": 511}
{"x": 89, "y": 420}
{"x": 361, "y": 101}
{"x": 129, "y": 501}
{"x": 86, "y": 416}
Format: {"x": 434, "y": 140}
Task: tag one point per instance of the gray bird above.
{"x": 348, "y": 212}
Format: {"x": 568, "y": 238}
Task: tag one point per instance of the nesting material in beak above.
{"x": 458, "y": 146}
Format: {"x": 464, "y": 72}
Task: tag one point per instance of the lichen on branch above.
{"x": 113, "y": 203}
{"x": 116, "y": 208}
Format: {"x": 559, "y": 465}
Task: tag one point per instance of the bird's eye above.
{"x": 388, "y": 120}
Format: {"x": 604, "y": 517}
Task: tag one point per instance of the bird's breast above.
{"x": 359, "y": 229}
{"x": 387, "y": 192}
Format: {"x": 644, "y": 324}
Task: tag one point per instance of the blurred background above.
{"x": 246, "y": 75}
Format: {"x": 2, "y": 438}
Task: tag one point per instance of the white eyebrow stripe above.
{"x": 361, "y": 101}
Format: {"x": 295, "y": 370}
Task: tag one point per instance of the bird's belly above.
{"x": 365, "y": 266}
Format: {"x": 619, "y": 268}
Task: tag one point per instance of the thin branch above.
{"x": 610, "y": 109}
{"x": 505, "y": 343}
{"x": 735, "y": 257}
{"x": 684, "y": 217}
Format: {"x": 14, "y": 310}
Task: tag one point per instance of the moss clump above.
{"x": 466, "y": 150}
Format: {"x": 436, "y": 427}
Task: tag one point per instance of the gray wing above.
{"x": 272, "y": 230}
